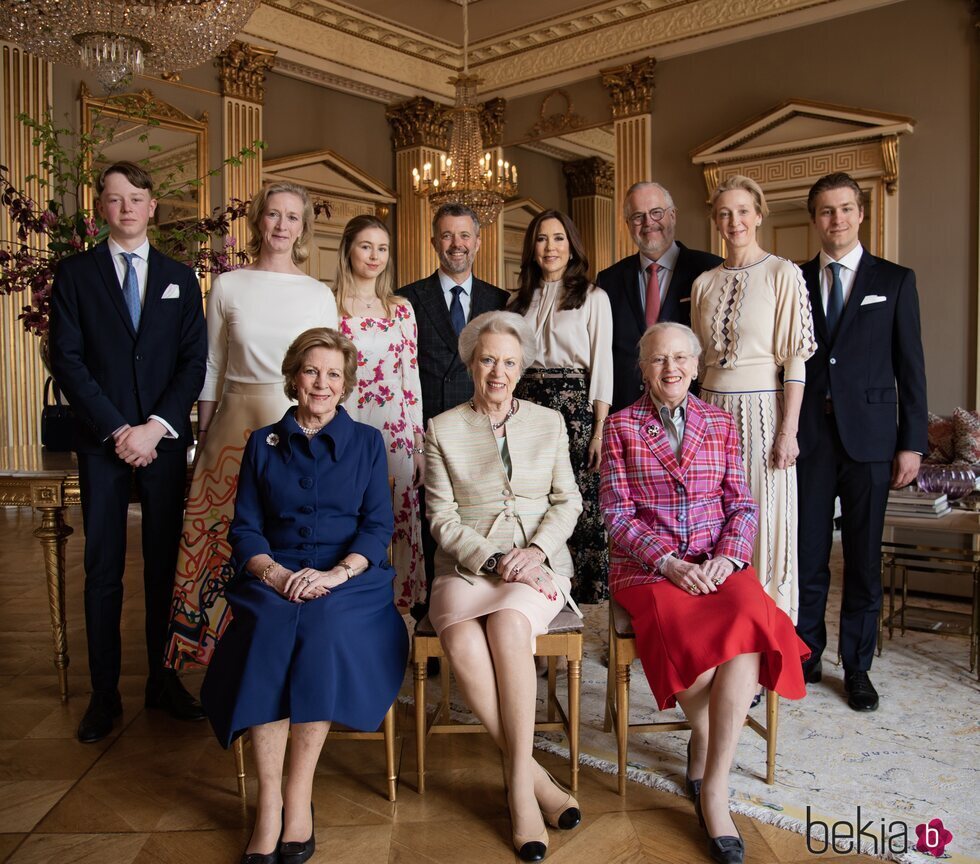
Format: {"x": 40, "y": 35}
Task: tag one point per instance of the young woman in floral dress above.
{"x": 388, "y": 395}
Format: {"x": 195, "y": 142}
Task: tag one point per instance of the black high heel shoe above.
{"x": 294, "y": 851}
{"x": 723, "y": 850}
{"x": 265, "y": 857}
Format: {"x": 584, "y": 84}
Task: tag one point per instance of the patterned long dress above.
{"x": 388, "y": 397}
{"x": 756, "y": 330}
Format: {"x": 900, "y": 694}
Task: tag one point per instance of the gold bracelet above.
{"x": 269, "y": 569}
{"x": 349, "y": 569}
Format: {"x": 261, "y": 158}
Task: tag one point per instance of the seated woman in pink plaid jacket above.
{"x": 682, "y": 523}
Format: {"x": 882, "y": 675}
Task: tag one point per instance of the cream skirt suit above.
{"x": 477, "y": 508}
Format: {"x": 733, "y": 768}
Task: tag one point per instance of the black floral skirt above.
{"x": 567, "y": 391}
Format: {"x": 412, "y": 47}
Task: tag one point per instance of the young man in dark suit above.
{"x": 652, "y": 285}
{"x": 128, "y": 347}
{"x": 444, "y": 302}
{"x": 862, "y": 426}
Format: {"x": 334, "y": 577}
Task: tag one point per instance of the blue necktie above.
{"x": 456, "y": 310}
{"x": 835, "y": 303}
{"x": 131, "y": 289}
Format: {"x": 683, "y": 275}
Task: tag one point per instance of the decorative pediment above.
{"x": 329, "y": 176}
{"x": 800, "y": 125}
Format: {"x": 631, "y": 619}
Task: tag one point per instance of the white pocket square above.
{"x": 873, "y": 298}
{"x": 685, "y": 300}
{"x": 173, "y": 292}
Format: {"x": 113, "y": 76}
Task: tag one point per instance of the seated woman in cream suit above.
{"x": 502, "y": 503}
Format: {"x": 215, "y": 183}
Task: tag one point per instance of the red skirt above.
{"x": 679, "y": 635}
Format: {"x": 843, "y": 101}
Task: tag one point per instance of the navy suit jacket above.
{"x": 113, "y": 374}
{"x": 874, "y": 369}
{"x": 446, "y": 382}
{"x": 621, "y": 283}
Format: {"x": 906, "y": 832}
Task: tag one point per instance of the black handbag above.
{"x": 57, "y": 420}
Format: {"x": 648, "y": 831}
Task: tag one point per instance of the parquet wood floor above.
{"x": 159, "y": 791}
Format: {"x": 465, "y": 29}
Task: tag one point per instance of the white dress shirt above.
{"x": 667, "y": 262}
{"x": 448, "y": 284}
{"x": 847, "y": 272}
{"x": 141, "y": 266}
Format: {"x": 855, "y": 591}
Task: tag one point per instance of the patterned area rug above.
{"x": 910, "y": 762}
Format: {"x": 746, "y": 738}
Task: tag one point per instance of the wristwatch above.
{"x": 490, "y": 565}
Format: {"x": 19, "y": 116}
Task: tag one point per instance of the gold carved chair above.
{"x": 563, "y": 639}
{"x": 622, "y": 653}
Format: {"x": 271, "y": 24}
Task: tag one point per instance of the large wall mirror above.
{"x": 171, "y": 144}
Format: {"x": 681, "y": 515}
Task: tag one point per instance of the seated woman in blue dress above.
{"x": 682, "y": 523}
{"x": 315, "y": 636}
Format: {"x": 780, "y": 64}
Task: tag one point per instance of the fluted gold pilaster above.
{"x": 25, "y": 87}
{"x": 631, "y": 89}
{"x": 590, "y": 190}
{"x": 419, "y": 131}
{"x": 242, "y": 70}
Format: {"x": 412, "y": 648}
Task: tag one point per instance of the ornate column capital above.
{"x": 492, "y": 122}
{"x": 631, "y": 87}
{"x": 592, "y": 176}
{"x": 242, "y": 68}
{"x": 419, "y": 122}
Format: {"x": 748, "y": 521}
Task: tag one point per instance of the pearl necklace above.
{"x": 309, "y": 433}
{"x": 511, "y": 413}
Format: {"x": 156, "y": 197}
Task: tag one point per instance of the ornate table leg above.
{"x": 54, "y": 534}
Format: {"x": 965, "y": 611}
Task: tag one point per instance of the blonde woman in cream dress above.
{"x": 752, "y": 315}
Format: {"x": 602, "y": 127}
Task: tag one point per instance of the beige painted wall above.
{"x": 539, "y": 177}
{"x": 916, "y": 58}
{"x": 301, "y": 117}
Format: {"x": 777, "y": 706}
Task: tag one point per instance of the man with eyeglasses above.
{"x": 652, "y": 285}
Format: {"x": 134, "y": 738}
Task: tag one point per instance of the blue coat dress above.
{"x": 341, "y": 657}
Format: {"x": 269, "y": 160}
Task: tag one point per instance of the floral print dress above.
{"x": 388, "y": 397}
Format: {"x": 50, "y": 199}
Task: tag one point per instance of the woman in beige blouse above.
{"x": 752, "y": 314}
{"x": 572, "y": 371}
{"x": 501, "y": 502}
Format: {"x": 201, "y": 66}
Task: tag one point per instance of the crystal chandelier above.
{"x": 117, "y": 39}
{"x": 467, "y": 175}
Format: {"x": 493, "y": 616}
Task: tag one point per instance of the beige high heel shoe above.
{"x": 566, "y": 816}
{"x": 530, "y": 847}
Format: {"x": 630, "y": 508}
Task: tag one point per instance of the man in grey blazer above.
{"x": 651, "y": 218}
{"x": 444, "y": 302}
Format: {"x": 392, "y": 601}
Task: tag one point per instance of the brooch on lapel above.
{"x": 272, "y": 439}
{"x": 653, "y": 430}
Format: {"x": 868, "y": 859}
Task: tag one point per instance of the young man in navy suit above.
{"x": 652, "y": 285}
{"x": 444, "y": 302}
{"x": 128, "y": 348}
{"x": 862, "y": 426}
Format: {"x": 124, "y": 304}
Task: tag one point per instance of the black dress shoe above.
{"x": 295, "y": 852}
{"x": 170, "y": 695}
{"x": 96, "y": 723}
{"x": 726, "y": 850}
{"x": 812, "y": 673}
{"x": 861, "y": 693}
{"x": 260, "y": 857}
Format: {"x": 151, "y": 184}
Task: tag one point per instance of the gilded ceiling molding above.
{"x": 525, "y": 59}
{"x": 592, "y": 176}
{"x": 242, "y": 69}
{"x": 419, "y": 122}
{"x": 492, "y": 122}
{"x": 631, "y": 87}
{"x": 336, "y": 82}
{"x": 556, "y": 122}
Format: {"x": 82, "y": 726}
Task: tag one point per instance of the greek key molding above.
{"x": 242, "y": 69}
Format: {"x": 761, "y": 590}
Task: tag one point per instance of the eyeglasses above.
{"x": 661, "y": 359}
{"x": 656, "y": 215}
